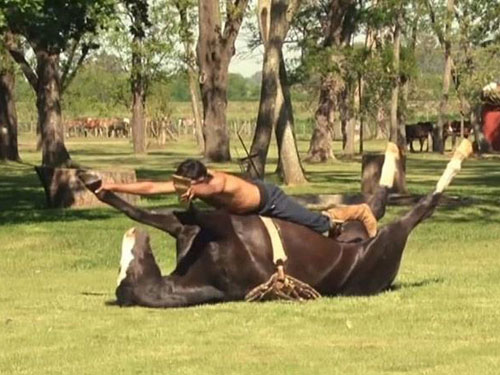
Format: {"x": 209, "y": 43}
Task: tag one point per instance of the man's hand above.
{"x": 188, "y": 195}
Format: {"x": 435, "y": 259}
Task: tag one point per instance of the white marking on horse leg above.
{"x": 449, "y": 173}
{"x": 389, "y": 167}
{"x": 127, "y": 257}
{"x": 462, "y": 152}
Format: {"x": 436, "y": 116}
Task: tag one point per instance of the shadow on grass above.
{"x": 415, "y": 284}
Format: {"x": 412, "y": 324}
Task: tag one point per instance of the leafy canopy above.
{"x": 51, "y": 24}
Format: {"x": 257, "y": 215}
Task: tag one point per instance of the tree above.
{"x": 275, "y": 107}
{"x": 216, "y": 46}
{"x": 8, "y": 114}
{"x": 395, "y": 135}
{"x": 475, "y": 58}
{"x": 143, "y": 37}
{"x": 51, "y": 28}
{"x": 186, "y": 24}
{"x": 445, "y": 38}
{"x": 336, "y": 30}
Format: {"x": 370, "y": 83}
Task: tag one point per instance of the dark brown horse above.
{"x": 231, "y": 254}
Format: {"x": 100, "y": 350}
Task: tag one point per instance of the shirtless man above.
{"x": 239, "y": 196}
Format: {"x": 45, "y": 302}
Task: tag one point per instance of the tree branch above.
{"x": 66, "y": 67}
{"x": 68, "y": 76}
{"x": 437, "y": 30}
{"x": 234, "y": 19}
{"x": 18, "y": 55}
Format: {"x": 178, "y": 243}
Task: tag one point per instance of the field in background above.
{"x": 242, "y": 115}
{"x": 58, "y": 270}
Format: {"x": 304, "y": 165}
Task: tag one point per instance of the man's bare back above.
{"x": 226, "y": 191}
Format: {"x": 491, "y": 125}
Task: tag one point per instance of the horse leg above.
{"x": 380, "y": 257}
{"x": 184, "y": 296}
{"x": 165, "y": 221}
{"x": 411, "y": 146}
{"x": 378, "y": 200}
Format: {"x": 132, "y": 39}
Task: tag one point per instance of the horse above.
{"x": 228, "y": 255}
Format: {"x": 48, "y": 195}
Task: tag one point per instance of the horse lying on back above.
{"x": 232, "y": 254}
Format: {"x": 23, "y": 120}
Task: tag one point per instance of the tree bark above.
{"x": 195, "y": 100}
{"x": 275, "y": 108}
{"x": 215, "y": 50}
{"x": 337, "y": 33}
{"x": 268, "y": 91}
{"x": 438, "y": 144}
{"x": 395, "y": 131}
{"x": 137, "y": 82}
{"x": 289, "y": 163}
{"x": 47, "y": 86}
{"x": 8, "y": 113}
{"x": 320, "y": 146}
{"x": 193, "y": 76}
{"x": 54, "y": 153}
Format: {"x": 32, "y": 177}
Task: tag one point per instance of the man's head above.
{"x": 192, "y": 169}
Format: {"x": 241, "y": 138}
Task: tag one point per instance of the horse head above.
{"x": 138, "y": 266}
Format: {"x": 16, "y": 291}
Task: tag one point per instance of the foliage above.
{"x": 143, "y": 41}
{"x": 477, "y": 46}
{"x": 52, "y": 25}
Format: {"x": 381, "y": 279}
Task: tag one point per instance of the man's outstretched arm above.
{"x": 140, "y": 188}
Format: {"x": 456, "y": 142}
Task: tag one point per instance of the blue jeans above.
{"x": 275, "y": 203}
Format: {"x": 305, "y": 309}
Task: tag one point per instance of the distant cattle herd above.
{"x": 165, "y": 128}
{"x": 104, "y": 127}
{"x": 422, "y": 131}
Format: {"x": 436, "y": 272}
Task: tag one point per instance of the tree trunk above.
{"x": 438, "y": 144}
{"x": 350, "y": 134}
{"x": 195, "y": 100}
{"x": 215, "y": 49}
{"x": 137, "y": 83}
{"x": 265, "y": 116}
{"x": 337, "y": 33}
{"x": 289, "y": 160}
{"x": 186, "y": 34}
{"x": 8, "y": 113}
{"x": 394, "y": 134}
{"x": 268, "y": 92}
{"x": 320, "y": 146}
{"x": 48, "y": 103}
{"x": 275, "y": 108}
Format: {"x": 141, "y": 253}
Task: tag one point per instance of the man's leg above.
{"x": 281, "y": 206}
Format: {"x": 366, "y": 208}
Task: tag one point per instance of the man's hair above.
{"x": 192, "y": 169}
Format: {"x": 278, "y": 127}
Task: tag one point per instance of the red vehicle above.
{"x": 490, "y": 115}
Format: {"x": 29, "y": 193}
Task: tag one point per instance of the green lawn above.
{"x": 58, "y": 271}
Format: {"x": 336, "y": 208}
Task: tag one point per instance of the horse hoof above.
{"x": 90, "y": 179}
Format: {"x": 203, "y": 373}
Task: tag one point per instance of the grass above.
{"x": 58, "y": 271}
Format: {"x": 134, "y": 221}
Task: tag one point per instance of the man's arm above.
{"x": 140, "y": 188}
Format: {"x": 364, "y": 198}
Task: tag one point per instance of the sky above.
{"x": 246, "y": 62}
